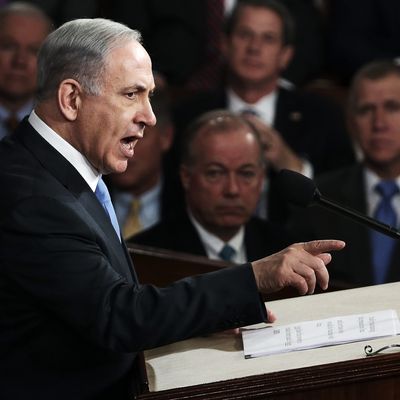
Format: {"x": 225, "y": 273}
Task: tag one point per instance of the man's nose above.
{"x": 20, "y": 57}
{"x": 232, "y": 186}
{"x": 379, "y": 119}
{"x": 150, "y": 117}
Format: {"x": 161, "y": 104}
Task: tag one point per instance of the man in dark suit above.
{"x": 222, "y": 173}
{"x": 310, "y": 135}
{"x": 374, "y": 118}
{"x": 73, "y": 315}
{"x": 184, "y": 38}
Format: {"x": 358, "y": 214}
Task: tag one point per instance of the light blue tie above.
{"x": 227, "y": 253}
{"x": 383, "y": 245}
{"x": 104, "y": 197}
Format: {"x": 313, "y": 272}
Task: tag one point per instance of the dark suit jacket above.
{"x": 312, "y": 126}
{"x": 261, "y": 238}
{"x": 352, "y": 264}
{"x": 72, "y": 314}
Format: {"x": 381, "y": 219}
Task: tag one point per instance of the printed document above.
{"x": 319, "y": 333}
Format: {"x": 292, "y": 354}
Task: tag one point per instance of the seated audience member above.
{"x": 370, "y": 186}
{"x": 258, "y": 46}
{"x": 222, "y": 172}
{"x": 23, "y": 27}
{"x": 142, "y": 195}
{"x": 184, "y": 38}
{"x": 73, "y": 315}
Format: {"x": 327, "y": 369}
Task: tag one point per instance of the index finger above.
{"x": 323, "y": 246}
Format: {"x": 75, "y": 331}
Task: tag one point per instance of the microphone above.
{"x": 302, "y": 191}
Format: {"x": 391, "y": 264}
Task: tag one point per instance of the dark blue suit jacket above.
{"x": 261, "y": 238}
{"x": 72, "y": 314}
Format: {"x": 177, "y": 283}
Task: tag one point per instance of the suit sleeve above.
{"x": 65, "y": 271}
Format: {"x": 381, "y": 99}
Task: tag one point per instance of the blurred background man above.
{"x": 222, "y": 172}
{"x": 184, "y": 38}
{"x": 370, "y": 186}
{"x": 23, "y": 28}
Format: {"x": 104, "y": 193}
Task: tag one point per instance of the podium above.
{"x": 162, "y": 267}
{"x": 214, "y": 367}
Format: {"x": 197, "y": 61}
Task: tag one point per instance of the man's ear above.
{"x": 185, "y": 176}
{"x": 224, "y": 45}
{"x": 69, "y": 98}
{"x": 286, "y": 56}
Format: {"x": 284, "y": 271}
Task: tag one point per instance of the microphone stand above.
{"x": 356, "y": 216}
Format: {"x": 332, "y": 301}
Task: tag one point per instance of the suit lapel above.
{"x": 90, "y": 208}
{"x": 189, "y": 238}
{"x": 287, "y": 116}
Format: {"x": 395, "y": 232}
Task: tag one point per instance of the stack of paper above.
{"x": 324, "y": 332}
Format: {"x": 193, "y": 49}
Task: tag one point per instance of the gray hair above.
{"x": 215, "y": 121}
{"x": 78, "y": 49}
{"x": 373, "y": 71}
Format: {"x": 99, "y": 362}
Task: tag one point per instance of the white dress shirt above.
{"x": 76, "y": 159}
{"x": 214, "y": 244}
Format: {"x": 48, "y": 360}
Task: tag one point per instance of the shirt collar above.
{"x": 20, "y": 114}
{"x": 265, "y": 107}
{"x": 77, "y": 160}
{"x": 214, "y": 244}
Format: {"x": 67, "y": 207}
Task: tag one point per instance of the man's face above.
{"x": 108, "y": 126}
{"x": 255, "y": 51}
{"x": 223, "y": 186}
{"x": 375, "y": 122}
{"x": 20, "y": 39}
{"x": 145, "y": 168}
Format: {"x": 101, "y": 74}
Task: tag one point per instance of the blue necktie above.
{"x": 382, "y": 245}
{"x": 250, "y": 111}
{"x": 227, "y": 253}
{"x": 104, "y": 197}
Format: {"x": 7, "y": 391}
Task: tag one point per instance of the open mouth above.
{"x": 127, "y": 146}
{"x": 128, "y": 140}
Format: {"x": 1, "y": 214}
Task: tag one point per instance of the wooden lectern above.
{"x": 162, "y": 267}
{"x": 214, "y": 367}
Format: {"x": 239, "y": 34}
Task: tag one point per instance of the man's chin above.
{"x": 117, "y": 168}
{"x": 231, "y": 222}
